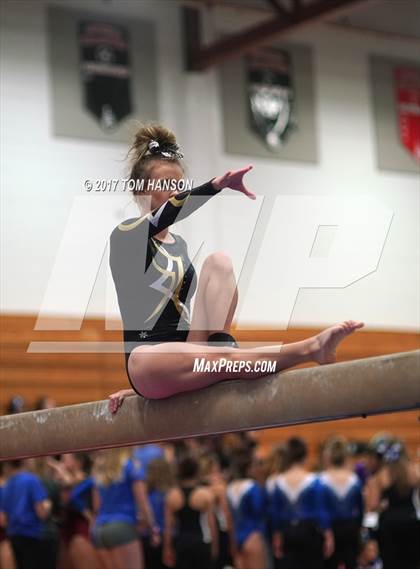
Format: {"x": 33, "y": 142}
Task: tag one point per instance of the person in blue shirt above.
{"x": 159, "y": 480}
{"x": 7, "y": 560}
{"x": 25, "y": 505}
{"x": 344, "y": 503}
{"x": 73, "y": 473}
{"x": 119, "y": 496}
{"x": 146, "y": 453}
{"x": 299, "y": 519}
{"x": 247, "y": 501}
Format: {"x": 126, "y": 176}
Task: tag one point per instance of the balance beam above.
{"x": 323, "y": 393}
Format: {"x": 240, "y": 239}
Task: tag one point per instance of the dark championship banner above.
{"x": 105, "y": 66}
{"x": 407, "y": 91}
{"x": 270, "y": 95}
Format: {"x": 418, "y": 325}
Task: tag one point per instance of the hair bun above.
{"x": 152, "y": 140}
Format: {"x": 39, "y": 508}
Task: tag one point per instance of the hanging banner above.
{"x": 105, "y": 68}
{"x": 407, "y": 91}
{"x": 270, "y": 95}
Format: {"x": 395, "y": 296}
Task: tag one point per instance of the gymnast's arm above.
{"x": 117, "y": 399}
{"x": 178, "y": 207}
{"x": 181, "y": 205}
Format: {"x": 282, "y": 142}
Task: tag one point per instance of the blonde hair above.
{"x": 400, "y": 474}
{"x": 108, "y": 465}
{"x": 207, "y": 462}
{"x": 140, "y": 160}
{"x": 160, "y": 475}
{"x": 335, "y": 451}
{"x": 278, "y": 459}
{"x": 39, "y": 466}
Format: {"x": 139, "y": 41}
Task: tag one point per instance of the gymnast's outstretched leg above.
{"x": 162, "y": 370}
{"x": 159, "y": 371}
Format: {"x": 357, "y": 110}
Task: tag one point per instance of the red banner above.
{"x": 407, "y": 84}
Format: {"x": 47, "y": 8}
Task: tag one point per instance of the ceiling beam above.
{"x": 361, "y": 30}
{"x": 200, "y": 58}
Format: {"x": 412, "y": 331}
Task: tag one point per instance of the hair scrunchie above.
{"x": 167, "y": 150}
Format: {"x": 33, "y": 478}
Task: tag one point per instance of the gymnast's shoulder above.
{"x": 127, "y": 225}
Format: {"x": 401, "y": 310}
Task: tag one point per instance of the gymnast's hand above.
{"x": 116, "y": 399}
{"x": 234, "y": 180}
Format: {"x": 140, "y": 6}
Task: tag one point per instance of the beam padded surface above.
{"x": 322, "y": 393}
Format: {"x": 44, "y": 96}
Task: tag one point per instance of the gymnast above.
{"x": 155, "y": 280}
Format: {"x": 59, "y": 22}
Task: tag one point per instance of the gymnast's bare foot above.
{"x": 323, "y": 345}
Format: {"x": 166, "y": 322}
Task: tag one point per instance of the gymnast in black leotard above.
{"x": 155, "y": 280}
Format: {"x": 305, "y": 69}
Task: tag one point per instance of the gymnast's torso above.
{"x": 155, "y": 280}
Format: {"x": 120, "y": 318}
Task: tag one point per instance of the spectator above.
{"x": 119, "y": 496}
{"x": 260, "y": 465}
{"x": 51, "y": 532}
{"x": 277, "y": 462}
{"x": 211, "y": 474}
{"x": 247, "y": 501}
{"x": 344, "y": 503}
{"x": 7, "y": 559}
{"x": 369, "y": 556}
{"x": 15, "y": 405}
{"x": 189, "y": 513}
{"x": 45, "y": 402}
{"x": 160, "y": 479}
{"x": 301, "y": 531}
{"x": 25, "y": 506}
{"x": 146, "y": 453}
{"x": 372, "y": 457}
{"x": 393, "y": 493}
{"x": 73, "y": 472}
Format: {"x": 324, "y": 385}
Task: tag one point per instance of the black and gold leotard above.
{"x": 155, "y": 280}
